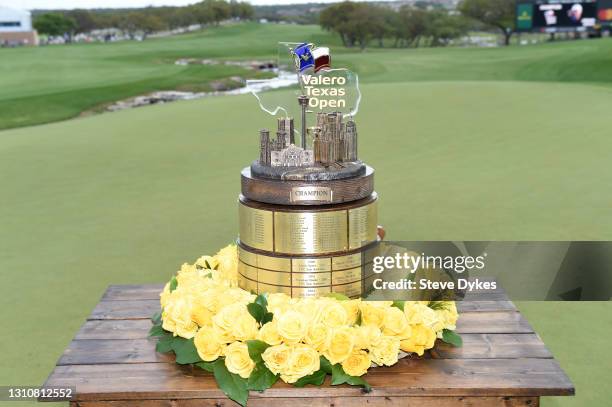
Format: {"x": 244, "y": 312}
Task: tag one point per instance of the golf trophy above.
{"x": 308, "y": 210}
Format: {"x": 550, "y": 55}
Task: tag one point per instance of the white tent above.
{"x": 12, "y": 20}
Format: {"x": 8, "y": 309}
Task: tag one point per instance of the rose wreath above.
{"x": 250, "y": 341}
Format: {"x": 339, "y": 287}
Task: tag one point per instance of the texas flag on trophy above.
{"x": 321, "y": 58}
{"x": 308, "y": 56}
{"x": 303, "y": 57}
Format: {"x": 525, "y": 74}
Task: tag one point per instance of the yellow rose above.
{"x": 276, "y": 358}
{"x": 385, "y": 350}
{"x": 357, "y": 363}
{"x": 176, "y": 316}
{"x": 395, "y": 322}
{"x": 317, "y": 335}
{"x": 366, "y": 335}
{"x": 310, "y": 308}
{"x": 333, "y": 314}
{"x": 422, "y": 338}
{"x": 340, "y": 344}
{"x": 208, "y": 345}
{"x": 371, "y": 314}
{"x": 227, "y": 259}
{"x": 211, "y": 299}
{"x": 292, "y": 326}
{"x": 200, "y": 314}
{"x": 237, "y": 359}
{"x": 419, "y": 313}
{"x": 186, "y": 268}
{"x": 245, "y": 327}
{"x": 278, "y": 302}
{"x": 226, "y": 319}
{"x": 206, "y": 262}
{"x": 352, "y": 310}
{"x": 303, "y": 361}
{"x": 269, "y": 334}
{"x": 447, "y": 316}
{"x": 193, "y": 283}
{"x": 164, "y": 295}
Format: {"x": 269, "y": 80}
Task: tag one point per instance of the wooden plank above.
{"x": 100, "y": 351}
{"x": 493, "y": 322}
{"x": 469, "y": 322}
{"x": 493, "y": 346}
{"x": 144, "y": 309}
{"x": 125, "y": 309}
{"x": 133, "y": 292}
{"x": 328, "y": 401}
{"x": 151, "y": 292}
{"x": 409, "y": 377}
{"x": 115, "y": 329}
{"x": 486, "y": 346}
{"x": 485, "y": 306}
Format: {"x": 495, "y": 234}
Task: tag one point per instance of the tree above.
{"x": 180, "y": 17}
{"x": 139, "y": 21}
{"x": 360, "y": 27}
{"x": 84, "y": 20}
{"x": 411, "y": 25}
{"x": 443, "y": 27}
{"x": 54, "y": 24}
{"x": 494, "y": 13}
{"x": 380, "y": 22}
{"x": 241, "y": 10}
{"x": 220, "y": 10}
{"x": 337, "y": 18}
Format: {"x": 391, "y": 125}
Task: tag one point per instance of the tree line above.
{"x": 423, "y": 23}
{"x": 144, "y": 21}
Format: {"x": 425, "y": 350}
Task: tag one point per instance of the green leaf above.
{"x": 317, "y": 378}
{"x": 261, "y": 378}
{"x": 256, "y": 311}
{"x": 399, "y": 304}
{"x": 157, "y": 330}
{"x": 157, "y": 318}
{"x": 437, "y": 305}
{"x": 452, "y": 338}
{"x": 173, "y": 283}
{"x": 268, "y": 317}
{"x": 185, "y": 351}
{"x": 338, "y": 296}
{"x": 339, "y": 376}
{"x": 262, "y": 300}
{"x": 256, "y": 348}
{"x": 164, "y": 344}
{"x": 326, "y": 365}
{"x": 234, "y": 386}
{"x": 208, "y": 366}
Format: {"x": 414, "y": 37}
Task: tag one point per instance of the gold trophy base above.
{"x": 306, "y": 251}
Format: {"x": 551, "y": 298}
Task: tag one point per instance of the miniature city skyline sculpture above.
{"x": 328, "y": 148}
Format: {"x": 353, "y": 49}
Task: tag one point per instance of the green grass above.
{"x": 509, "y": 147}
{"x": 46, "y": 84}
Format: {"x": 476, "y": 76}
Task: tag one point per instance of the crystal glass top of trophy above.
{"x": 316, "y": 133}
{"x": 308, "y": 210}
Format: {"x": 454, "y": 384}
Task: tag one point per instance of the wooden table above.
{"x": 502, "y": 363}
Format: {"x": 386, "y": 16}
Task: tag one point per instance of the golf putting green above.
{"x": 127, "y": 197}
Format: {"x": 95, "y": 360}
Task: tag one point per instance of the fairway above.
{"x": 46, "y": 84}
{"x": 510, "y": 148}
